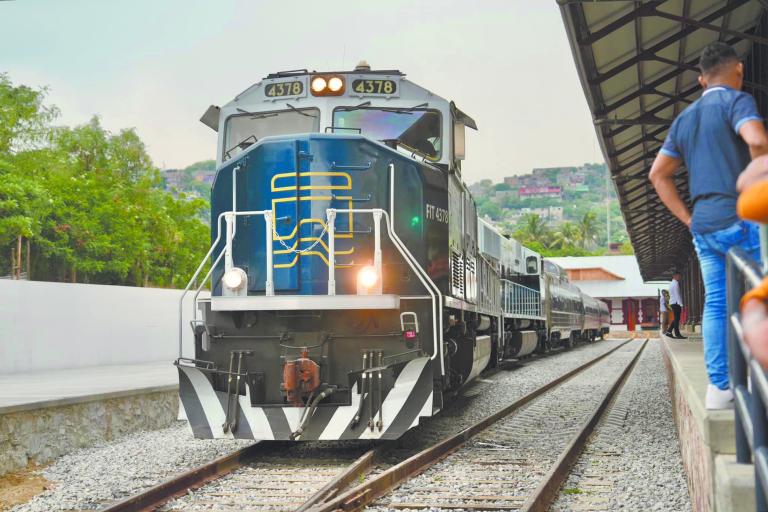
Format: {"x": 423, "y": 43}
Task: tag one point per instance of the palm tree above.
{"x": 532, "y": 227}
{"x": 587, "y": 227}
{"x": 567, "y": 235}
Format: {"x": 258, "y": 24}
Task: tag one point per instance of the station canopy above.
{"x": 637, "y": 62}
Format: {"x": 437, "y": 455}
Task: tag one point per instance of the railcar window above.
{"x": 414, "y": 128}
{"x": 242, "y": 129}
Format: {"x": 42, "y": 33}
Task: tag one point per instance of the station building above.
{"x": 616, "y": 280}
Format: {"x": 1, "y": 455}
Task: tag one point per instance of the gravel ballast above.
{"x": 91, "y": 478}
{"x": 633, "y": 460}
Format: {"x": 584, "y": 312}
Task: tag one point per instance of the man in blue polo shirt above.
{"x": 715, "y": 138}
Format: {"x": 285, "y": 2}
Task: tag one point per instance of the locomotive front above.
{"x": 328, "y": 261}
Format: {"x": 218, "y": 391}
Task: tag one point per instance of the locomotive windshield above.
{"x": 244, "y": 129}
{"x": 414, "y": 128}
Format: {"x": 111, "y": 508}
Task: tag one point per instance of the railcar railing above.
{"x": 749, "y": 380}
{"x": 519, "y": 300}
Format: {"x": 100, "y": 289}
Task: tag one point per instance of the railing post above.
{"x": 737, "y": 366}
{"x": 270, "y": 284}
{"x": 377, "y": 243}
{"x": 229, "y": 218}
{"x": 331, "y": 230}
{"x": 759, "y": 436}
{"x": 764, "y": 247}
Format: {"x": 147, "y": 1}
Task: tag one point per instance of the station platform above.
{"x": 715, "y": 481}
{"x": 44, "y": 415}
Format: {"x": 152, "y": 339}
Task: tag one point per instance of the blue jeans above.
{"x": 711, "y": 249}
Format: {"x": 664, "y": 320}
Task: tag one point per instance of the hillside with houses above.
{"x": 559, "y": 210}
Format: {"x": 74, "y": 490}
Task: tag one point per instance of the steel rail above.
{"x": 548, "y": 490}
{"x": 367, "y": 492}
{"x": 179, "y": 485}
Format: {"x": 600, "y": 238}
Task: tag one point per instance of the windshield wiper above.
{"x": 356, "y": 107}
{"x": 299, "y": 111}
{"x": 254, "y": 115}
{"x": 405, "y": 110}
{"x": 243, "y": 145}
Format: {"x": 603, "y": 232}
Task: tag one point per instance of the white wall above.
{"x": 59, "y": 325}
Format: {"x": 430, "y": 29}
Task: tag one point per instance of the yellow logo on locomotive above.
{"x": 291, "y": 243}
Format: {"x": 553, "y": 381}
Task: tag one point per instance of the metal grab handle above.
{"x": 364, "y": 167}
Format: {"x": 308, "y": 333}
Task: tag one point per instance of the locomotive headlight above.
{"x": 319, "y": 84}
{"x": 235, "y": 278}
{"x": 367, "y": 278}
{"x": 335, "y": 84}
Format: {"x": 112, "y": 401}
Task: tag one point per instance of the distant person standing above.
{"x": 664, "y": 310}
{"x": 676, "y": 305}
{"x": 715, "y": 137}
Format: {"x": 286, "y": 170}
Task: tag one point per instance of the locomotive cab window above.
{"x": 242, "y": 130}
{"x": 415, "y": 129}
{"x": 532, "y": 265}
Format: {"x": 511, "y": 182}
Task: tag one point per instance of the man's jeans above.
{"x": 711, "y": 249}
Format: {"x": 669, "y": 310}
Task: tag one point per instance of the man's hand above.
{"x": 757, "y": 170}
{"x": 661, "y": 176}
{"x": 753, "y": 133}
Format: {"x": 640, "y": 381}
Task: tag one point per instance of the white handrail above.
{"x": 416, "y": 268}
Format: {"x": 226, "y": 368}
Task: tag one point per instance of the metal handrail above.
{"x": 520, "y": 300}
{"x": 749, "y": 381}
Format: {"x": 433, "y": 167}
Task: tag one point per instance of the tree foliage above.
{"x": 89, "y": 201}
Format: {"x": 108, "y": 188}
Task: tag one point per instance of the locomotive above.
{"x": 353, "y": 288}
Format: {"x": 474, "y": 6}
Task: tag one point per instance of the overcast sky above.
{"x": 156, "y": 65}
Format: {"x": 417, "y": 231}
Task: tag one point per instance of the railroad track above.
{"x": 515, "y": 459}
{"x": 288, "y": 476}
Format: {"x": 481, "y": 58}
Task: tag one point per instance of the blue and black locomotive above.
{"x": 353, "y": 287}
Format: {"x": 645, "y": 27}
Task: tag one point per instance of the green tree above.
{"x": 90, "y": 202}
{"x": 532, "y": 228}
{"x": 566, "y": 236}
{"x": 588, "y": 229}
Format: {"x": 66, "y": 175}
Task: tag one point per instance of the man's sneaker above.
{"x": 679, "y": 337}
{"x": 667, "y": 333}
{"x": 718, "y": 398}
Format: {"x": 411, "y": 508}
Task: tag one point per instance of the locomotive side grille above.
{"x": 470, "y": 286}
{"x": 457, "y": 274}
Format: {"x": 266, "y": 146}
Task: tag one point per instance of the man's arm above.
{"x": 661, "y": 176}
{"x": 753, "y": 133}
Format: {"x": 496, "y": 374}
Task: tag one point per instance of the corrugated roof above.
{"x": 637, "y": 64}
{"x": 626, "y": 267}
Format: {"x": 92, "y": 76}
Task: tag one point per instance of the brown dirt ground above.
{"x": 21, "y": 486}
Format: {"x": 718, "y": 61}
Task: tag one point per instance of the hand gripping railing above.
{"x": 748, "y": 379}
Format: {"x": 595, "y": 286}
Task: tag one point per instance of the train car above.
{"x": 519, "y": 269}
{"x": 591, "y": 323}
{"x": 605, "y": 319}
{"x": 353, "y": 288}
{"x": 562, "y": 306}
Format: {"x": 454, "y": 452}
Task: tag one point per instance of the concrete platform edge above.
{"x": 42, "y": 434}
{"x": 715, "y": 481}
{"x": 59, "y": 402}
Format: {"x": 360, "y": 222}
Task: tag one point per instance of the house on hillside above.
{"x": 616, "y": 281}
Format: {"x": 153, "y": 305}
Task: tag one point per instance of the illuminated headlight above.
{"x": 319, "y": 84}
{"x": 235, "y": 278}
{"x": 367, "y": 278}
{"x": 335, "y": 84}
{"x": 327, "y": 85}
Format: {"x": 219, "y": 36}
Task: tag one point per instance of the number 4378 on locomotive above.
{"x": 353, "y": 287}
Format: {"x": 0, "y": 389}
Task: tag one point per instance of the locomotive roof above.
{"x": 300, "y": 72}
